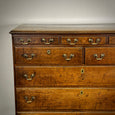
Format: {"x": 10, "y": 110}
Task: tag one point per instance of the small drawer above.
{"x": 112, "y": 40}
{"x": 91, "y": 76}
{"x": 80, "y": 40}
{"x": 36, "y": 40}
{"x": 48, "y": 55}
{"x": 100, "y": 56}
{"x": 65, "y": 99}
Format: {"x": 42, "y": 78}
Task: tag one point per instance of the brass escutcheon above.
{"x": 48, "y": 52}
{"x": 81, "y": 92}
{"x": 82, "y": 71}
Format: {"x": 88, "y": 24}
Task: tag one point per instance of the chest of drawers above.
{"x": 64, "y": 69}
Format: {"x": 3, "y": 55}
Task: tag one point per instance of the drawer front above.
{"x": 112, "y": 40}
{"x": 60, "y": 99}
{"x": 34, "y": 76}
{"x": 80, "y": 40}
{"x": 36, "y": 40}
{"x": 48, "y": 55}
{"x": 69, "y": 113}
{"x": 98, "y": 56}
{"x": 50, "y": 113}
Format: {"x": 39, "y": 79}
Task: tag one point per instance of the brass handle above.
{"x": 29, "y": 101}
{"x": 66, "y": 58}
{"x": 69, "y": 40}
{"x": 25, "y": 43}
{"x": 47, "y": 43}
{"x": 29, "y": 78}
{"x": 99, "y": 58}
{"x": 94, "y": 43}
{"x": 27, "y": 57}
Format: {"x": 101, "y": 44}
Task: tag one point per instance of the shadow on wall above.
{"x": 7, "y": 106}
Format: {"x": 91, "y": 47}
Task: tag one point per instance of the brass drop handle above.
{"x": 27, "y": 56}
{"x": 29, "y": 78}
{"x": 47, "y": 43}
{"x": 25, "y": 43}
{"x": 94, "y": 43}
{"x": 29, "y": 101}
{"x": 69, "y": 40}
{"x": 99, "y": 58}
{"x": 66, "y": 58}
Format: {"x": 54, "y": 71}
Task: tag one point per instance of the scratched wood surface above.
{"x": 84, "y": 85}
{"x": 69, "y": 113}
{"x": 54, "y": 58}
{"x": 65, "y": 99}
{"x": 90, "y": 76}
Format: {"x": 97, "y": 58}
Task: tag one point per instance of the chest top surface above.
{"x": 64, "y": 28}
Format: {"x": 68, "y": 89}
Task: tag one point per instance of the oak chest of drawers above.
{"x": 64, "y": 69}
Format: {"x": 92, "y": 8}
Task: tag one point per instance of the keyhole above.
{"x": 48, "y": 52}
{"x": 82, "y": 71}
{"x": 81, "y": 92}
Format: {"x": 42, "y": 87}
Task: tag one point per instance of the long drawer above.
{"x": 48, "y": 55}
{"x": 65, "y": 99}
{"x": 100, "y": 56}
{"x": 87, "y": 76}
{"x": 68, "y": 113}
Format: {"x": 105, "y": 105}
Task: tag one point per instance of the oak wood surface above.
{"x": 61, "y": 87}
{"x": 92, "y": 76}
{"x": 48, "y": 113}
{"x": 112, "y": 40}
{"x": 83, "y": 39}
{"x": 66, "y": 99}
{"x": 64, "y": 28}
{"x": 54, "y": 58}
{"x": 36, "y": 40}
{"x": 69, "y": 113}
{"x": 109, "y": 57}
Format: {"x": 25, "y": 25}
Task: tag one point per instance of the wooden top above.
{"x": 64, "y": 28}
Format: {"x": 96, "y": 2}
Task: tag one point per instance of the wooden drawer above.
{"x": 48, "y": 55}
{"x": 112, "y": 40}
{"x": 82, "y": 40}
{"x": 36, "y": 40}
{"x": 50, "y": 113}
{"x": 65, "y": 99}
{"x": 69, "y": 113}
{"x": 100, "y": 56}
{"x": 36, "y": 76}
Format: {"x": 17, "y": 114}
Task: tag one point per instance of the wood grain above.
{"x": 84, "y": 39}
{"x": 55, "y": 58}
{"x": 64, "y": 28}
{"x": 112, "y": 40}
{"x": 49, "y": 113}
{"x": 36, "y": 40}
{"x": 66, "y": 99}
{"x": 72, "y": 113}
{"x": 59, "y": 86}
{"x": 109, "y": 57}
{"x": 92, "y": 76}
